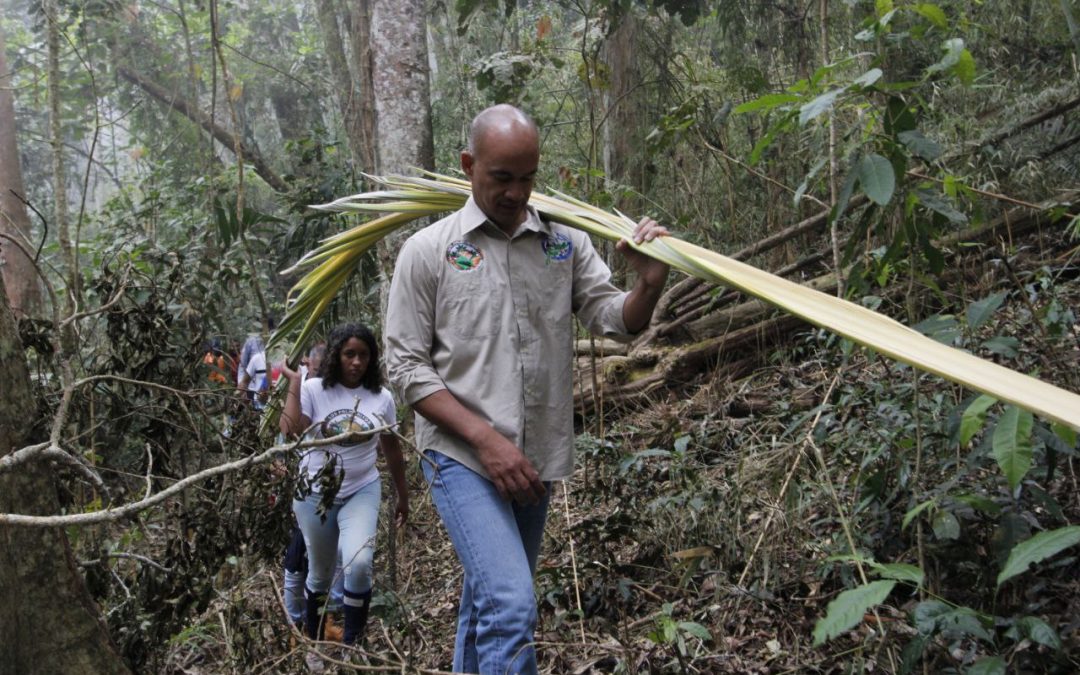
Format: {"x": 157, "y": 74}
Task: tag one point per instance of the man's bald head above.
{"x": 502, "y": 118}
{"x": 501, "y": 162}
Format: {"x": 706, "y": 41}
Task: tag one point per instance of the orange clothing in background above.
{"x": 217, "y": 368}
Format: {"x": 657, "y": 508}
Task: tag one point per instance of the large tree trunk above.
{"x": 48, "y": 621}
{"x": 402, "y": 102}
{"x": 400, "y": 81}
{"x": 358, "y": 28}
{"x": 349, "y": 92}
{"x": 56, "y": 140}
{"x": 624, "y": 101}
{"x": 23, "y": 287}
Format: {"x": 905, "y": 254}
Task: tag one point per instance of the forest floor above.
{"x": 694, "y": 541}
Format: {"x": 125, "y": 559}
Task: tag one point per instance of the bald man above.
{"x": 479, "y": 342}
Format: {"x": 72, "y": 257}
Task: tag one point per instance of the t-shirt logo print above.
{"x": 464, "y": 256}
{"x": 557, "y": 247}
{"x": 346, "y": 420}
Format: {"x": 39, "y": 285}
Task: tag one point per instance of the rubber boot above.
{"x": 313, "y": 614}
{"x": 356, "y": 616}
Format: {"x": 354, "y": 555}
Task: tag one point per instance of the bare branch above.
{"x": 118, "y": 513}
{"x": 132, "y": 556}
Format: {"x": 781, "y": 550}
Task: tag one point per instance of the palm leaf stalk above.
{"x": 409, "y": 198}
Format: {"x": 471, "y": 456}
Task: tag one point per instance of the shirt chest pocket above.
{"x": 471, "y": 304}
{"x": 554, "y": 291}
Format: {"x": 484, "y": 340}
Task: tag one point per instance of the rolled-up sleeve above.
{"x": 597, "y": 302}
{"x": 410, "y": 320}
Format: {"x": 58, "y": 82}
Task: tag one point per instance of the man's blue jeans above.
{"x": 498, "y": 542}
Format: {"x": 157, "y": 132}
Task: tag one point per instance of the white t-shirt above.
{"x": 341, "y": 409}
{"x": 256, "y": 371}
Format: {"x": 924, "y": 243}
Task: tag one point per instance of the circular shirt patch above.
{"x": 342, "y": 421}
{"x": 464, "y": 256}
{"x": 557, "y": 247}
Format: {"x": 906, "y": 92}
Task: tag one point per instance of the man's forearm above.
{"x": 446, "y": 412}
{"x": 639, "y": 305}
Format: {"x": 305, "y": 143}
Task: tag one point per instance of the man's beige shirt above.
{"x": 489, "y": 318}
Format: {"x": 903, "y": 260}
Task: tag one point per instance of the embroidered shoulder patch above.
{"x": 464, "y": 256}
{"x": 557, "y": 247}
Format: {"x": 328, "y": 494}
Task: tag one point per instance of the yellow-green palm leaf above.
{"x": 407, "y": 199}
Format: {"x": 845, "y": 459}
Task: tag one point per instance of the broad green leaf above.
{"x": 945, "y": 525}
{"x": 979, "y": 503}
{"x": 1039, "y": 631}
{"x": 914, "y": 512}
{"x": 766, "y": 102}
{"x": 926, "y": 615}
{"x": 818, "y": 106}
{"x": 899, "y": 117}
{"x": 868, "y": 78}
{"x": 988, "y": 665}
{"x": 844, "y": 197}
{"x": 883, "y": 7}
{"x": 938, "y": 204}
{"x": 1004, "y": 345}
{"x": 847, "y": 610}
{"x": 974, "y": 417}
{"x": 1038, "y": 548}
{"x": 934, "y": 616}
{"x": 980, "y": 311}
{"x": 696, "y": 629}
{"x": 920, "y": 145}
{"x": 1066, "y": 434}
{"x": 1012, "y": 444}
{"x": 933, "y": 13}
{"x": 763, "y": 143}
{"x": 877, "y": 178}
{"x": 900, "y": 572}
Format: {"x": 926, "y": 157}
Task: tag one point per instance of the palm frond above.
{"x": 409, "y": 198}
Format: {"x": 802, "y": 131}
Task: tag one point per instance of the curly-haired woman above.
{"x": 347, "y": 396}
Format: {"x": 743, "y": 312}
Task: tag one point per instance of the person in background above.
{"x": 479, "y": 342}
{"x": 347, "y": 396}
{"x": 255, "y": 381}
{"x": 217, "y": 366}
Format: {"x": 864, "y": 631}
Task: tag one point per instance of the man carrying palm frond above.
{"x": 479, "y": 342}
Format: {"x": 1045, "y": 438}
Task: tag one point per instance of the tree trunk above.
{"x": 358, "y": 24}
{"x": 23, "y": 286}
{"x": 623, "y": 140}
{"x": 56, "y": 140}
{"x": 349, "y": 95}
{"x": 48, "y": 621}
{"x": 402, "y": 103}
{"x": 400, "y": 81}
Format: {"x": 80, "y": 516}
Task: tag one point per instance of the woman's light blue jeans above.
{"x": 498, "y": 542}
{"x": 351, "y": 525}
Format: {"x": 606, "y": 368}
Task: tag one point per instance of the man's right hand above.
{"x": 512, "y": 473}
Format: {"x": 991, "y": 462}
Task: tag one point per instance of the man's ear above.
{"x": 467, "y": 162}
